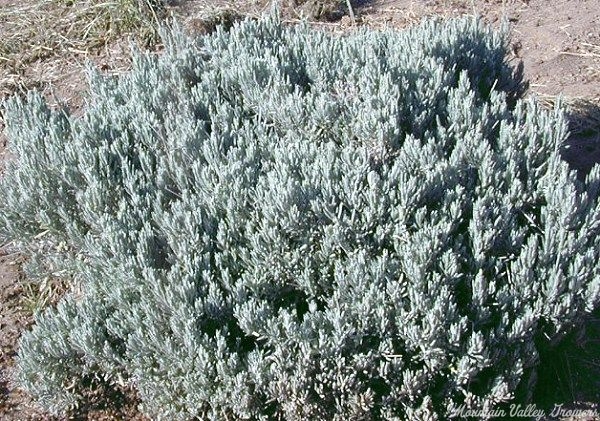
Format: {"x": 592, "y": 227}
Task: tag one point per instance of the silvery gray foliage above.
{"x": 274, "y": 222}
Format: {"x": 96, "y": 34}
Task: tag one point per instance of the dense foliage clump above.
{"x": 273, "y": 222}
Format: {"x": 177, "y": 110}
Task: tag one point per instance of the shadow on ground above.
{"x": 582, "y": 149}
{"x": 568, "y": 376}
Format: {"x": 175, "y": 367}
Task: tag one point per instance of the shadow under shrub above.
{"x": 273, "y": 222}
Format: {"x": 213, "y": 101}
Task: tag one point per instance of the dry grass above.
{"x": 69, "y": 31}
{"x": 319, "y": 9}
{"x": 204, "y": 15}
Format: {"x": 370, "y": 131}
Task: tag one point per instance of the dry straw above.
{"x": 60, "y": 32}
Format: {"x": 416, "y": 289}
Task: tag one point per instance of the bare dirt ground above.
{"x": 559, "y": 44}
{"x": 13, "y": 319}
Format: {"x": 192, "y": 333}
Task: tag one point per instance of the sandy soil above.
{"x": 13, "y": 319}
{"x": 558, "y": 42}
